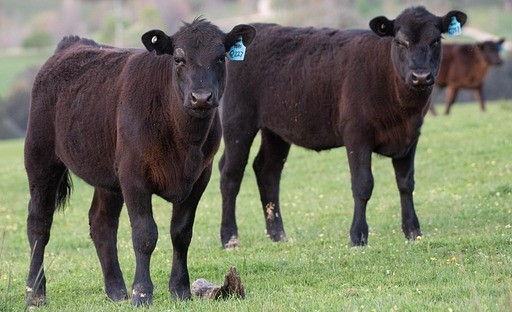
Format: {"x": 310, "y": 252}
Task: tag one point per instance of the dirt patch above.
{"x": 232, "y": 287}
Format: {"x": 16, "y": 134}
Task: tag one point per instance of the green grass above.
{"x": 463, "y": 263}
{"x": 13, "y": 64}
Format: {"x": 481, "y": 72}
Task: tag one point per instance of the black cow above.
{"x": 131, "y": 123}
{"x": 326, "y": 88}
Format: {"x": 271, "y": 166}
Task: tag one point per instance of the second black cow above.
{"x": 325, "y": 88}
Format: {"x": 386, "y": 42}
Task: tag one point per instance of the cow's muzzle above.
{"x": 421, "y": 79}
{"x": 201, "y": 102}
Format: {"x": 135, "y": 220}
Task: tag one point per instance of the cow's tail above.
{"x": 63, "y": 190}
{"x": 69, "y": 41}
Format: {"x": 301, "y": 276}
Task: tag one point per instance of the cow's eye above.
{"x": 179, "y": 61}
{"x": 221, "y": 59}
{"x": 401, "y": 44}
{"x": 435, "y": 43}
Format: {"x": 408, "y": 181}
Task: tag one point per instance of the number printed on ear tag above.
{"x": 454, "y": 28}
{"x": 237, "y": 51}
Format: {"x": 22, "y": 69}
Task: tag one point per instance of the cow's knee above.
{"x": 405, "y": 185}
{"x": 362, "y": 187}
{"x": 144, "y": 238}
{"x": 181, "y": 237}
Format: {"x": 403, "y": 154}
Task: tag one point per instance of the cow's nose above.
{"x": 422, "y": 78}
{"x": 201, "y": 98}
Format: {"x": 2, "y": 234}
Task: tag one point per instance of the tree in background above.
{"x": 14, "y": 109}
{"x": 38, "y": 39}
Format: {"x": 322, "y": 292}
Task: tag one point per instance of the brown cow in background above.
{"x": 465, "y": 66}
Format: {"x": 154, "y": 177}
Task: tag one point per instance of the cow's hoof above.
{"x": 356, "y": 244}
{"x": 359, "y": 234}
{"x": 232, "y": 243}
{"x": 277, "y": 236}
{"x": 413, "y": 235}
{"x": 183, "y": 294}
{"x": 140, "y": 298}
{"x": 35, "y": 300}
{"x": 359, "y": 241}
{"x": 117, "y": 295}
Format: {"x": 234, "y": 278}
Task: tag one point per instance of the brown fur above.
{"x": 131, "y": 123}
{"x": 464, "y": 66}
{"x": 327, "y": 88}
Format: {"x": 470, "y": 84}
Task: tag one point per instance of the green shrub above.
{"x": 38, "y": 39}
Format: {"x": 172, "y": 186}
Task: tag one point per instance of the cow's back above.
{"x": 76, "y": 92}
{"x": 461, "y": 66}
{"x": 300, "y": 75}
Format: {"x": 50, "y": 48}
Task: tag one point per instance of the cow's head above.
{"x": 491, "y": 51}
{"x": 198, "y": 53}
{"x": 416, "y": 47}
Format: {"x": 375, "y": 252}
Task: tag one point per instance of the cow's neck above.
{"x": 192, "y": 131}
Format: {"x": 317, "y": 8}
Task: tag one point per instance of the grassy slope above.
{"x": 464, "y": 261}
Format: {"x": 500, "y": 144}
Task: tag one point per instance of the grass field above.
{"x": 463, "y": 262}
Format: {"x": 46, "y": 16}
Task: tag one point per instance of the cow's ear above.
{"x": 382, "y": 26}
{"x": 157, "y": 40}
{"x": 247, "y": 32}
{"x": 500, "y": 42}
{"x": 446, "y": 20}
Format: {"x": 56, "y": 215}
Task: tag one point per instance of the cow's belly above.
{"x": 92, "y": 165}
{"x": 396, "y": 146}
{"x": 88, "y": 152}
{"x": 176, "y": 192}
{"x": 396, "y": 151}
{"x": 471, "y": 81}
{"x": 311, "y": 129}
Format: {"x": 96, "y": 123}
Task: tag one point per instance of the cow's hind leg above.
{"x": 181, "y": 234}
{"x": 237, "y": 140}
{"x": 268, "y": 166}
{"x": 104, "y": 220}
{"x": 48, "y": 184}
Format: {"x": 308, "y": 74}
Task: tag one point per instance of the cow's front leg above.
{"x": 181, "y": 234}
{"x": 144, "y": 237}
{"x": 404, "y": 174}
{"x": 362, "y": 186}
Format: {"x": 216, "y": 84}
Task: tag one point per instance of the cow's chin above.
{"x": 203, "y": 112}
{"x": 421, "y": 88}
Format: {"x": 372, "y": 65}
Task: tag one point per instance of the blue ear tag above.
{"x": 454, "y": 28}
{"x": 237, "y": 51}
{"x": 502, "y": 47}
